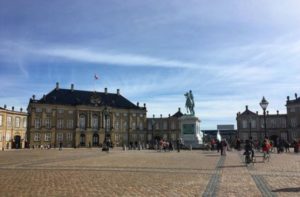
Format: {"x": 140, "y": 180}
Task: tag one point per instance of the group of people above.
{"x": 220, "y": 145}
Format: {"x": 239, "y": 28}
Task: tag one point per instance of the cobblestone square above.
{"x": 91, "y": 172}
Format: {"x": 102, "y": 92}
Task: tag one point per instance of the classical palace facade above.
{"x": 13, "y": 126}
{"x": 285, "y": 126}
{"x": 76, "y": 118}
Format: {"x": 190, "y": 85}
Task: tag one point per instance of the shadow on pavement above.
{"x": 290, "y": 189}
{"x": 234, "y": 166}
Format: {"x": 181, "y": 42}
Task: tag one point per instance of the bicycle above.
{"x": 266, "y": 156}
{"x": 249, "y": 157}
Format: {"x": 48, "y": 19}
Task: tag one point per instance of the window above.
{"x": 37, "y": 123}
{"x": 173, "y": 125}
{"x": 24, "y": 122}
{"x": 173, "y": 136}
{"x": 142, "y": 137}
{"x": 60, "y": 123}
{"x": 292, "y": 109}
{"x": 149, "y": 137}
{"x": 70, "y": 124}
{"x": 60, "y": 137}
{"x": 95, "y": 122}
{"x": 47, "y": 137}
{"x": 38, "y": 110}
{"x": 283, "y": 123}
{"x": 70, "y": 112}
{"x": 82, "y": 121}
{"x": 253, "y": 123}
{"x": 69, "y": 136}
{"x": 48, "y": 123}
{"x": 125, "y": 114}
{"x": 133, "y": 125}
{"x": 17, "y": 122}
{"x": 134, "y": 115}
{"x": 1, "y": 118}
{"x": 117, "y": 124}
{"x": 165, "y": 125}
{"x": 125, "y": 137}
{"x": 165, "y": 136}
{"x": 36, "y": 137}
{"x": 244, "y": 122}
{"x": 125, "y": 125}
{"x": 9, "y": 121}
{"x": 141, "y": 126}
{"x": 134, "y": 137}
{"x": 293, "y": 122}
{"x": 273, "y": 123}
{"x": 48, "y": 110}
{"x": 157, "y": 126}
{"x": 117, "y": 137}
{"x": 7, "y": 137}
{"x": 60, "y": 111}
{"x": 149, "y": 125}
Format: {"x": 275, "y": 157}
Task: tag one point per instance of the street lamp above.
{"x": 264, "y": 104}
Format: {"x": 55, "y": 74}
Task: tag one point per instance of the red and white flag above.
{"x": 96, "y": 77}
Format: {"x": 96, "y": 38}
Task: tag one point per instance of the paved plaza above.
{"x": 91, "y": 172}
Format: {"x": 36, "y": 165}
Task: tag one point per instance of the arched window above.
{"x": 95, "y": 121}
{"x": 95, "y": 140}
{"x": 82, "y": 140}
{"x": 82, "y": 121}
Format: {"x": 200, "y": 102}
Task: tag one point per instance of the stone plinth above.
{"x": 190, "y": 131}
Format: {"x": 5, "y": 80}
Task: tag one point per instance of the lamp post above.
{"x": 264, "y": 104}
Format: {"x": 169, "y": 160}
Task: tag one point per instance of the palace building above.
{"x": 79, "y": 118}
{"x": 13, "y": 126}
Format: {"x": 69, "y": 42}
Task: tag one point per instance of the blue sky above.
{"x": 229, "y": 53}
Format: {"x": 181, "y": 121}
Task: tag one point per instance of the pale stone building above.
{"x": 252, "y": 124}
{"x": 13, "y": 126}
{"x": 79, "y": 118}
{"x": 167, "y": 128}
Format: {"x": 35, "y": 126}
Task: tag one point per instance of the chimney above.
{"x": 267, "y": 112}
{"x": 72, "y": 87}
{"x": 169, "y": 115}
{"x": 277, "y": 112}
{"x": 153, "y": 116}
{"x": 12, "y": 108}
{"x": 57, "y": 86}
{"x": 5, "y": 106}
{"x": 256, "y": 112}
{"x": 118, "y": 92}
{"x": 296, "y": 96}
{"x": 160, "y": 115}
{"x": 33, "y": 97}
{"x": 246, "y": 107}
{"x": 288, "y": 98}
{"x": 21, "y": 109}
{"x": 44, "y": 97}
{"x": 237, "y": 114}
{"x": 179, "y": 109}
{"x": 138, "y": 104}
{"x": 105, "y": 90}
{"x": 144, "y": 105}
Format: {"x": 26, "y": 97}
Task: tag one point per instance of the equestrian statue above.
{"x": 189, "y": 103}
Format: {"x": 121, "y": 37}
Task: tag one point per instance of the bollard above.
{"x": 191, "y": 147}
{"x": 124, "y": 147}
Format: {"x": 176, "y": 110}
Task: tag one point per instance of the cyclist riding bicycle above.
{"x": 266, "y": 148}
{"x": 249, "y": 153}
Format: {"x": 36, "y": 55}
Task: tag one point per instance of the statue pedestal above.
{"x": 190, "y": 131}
